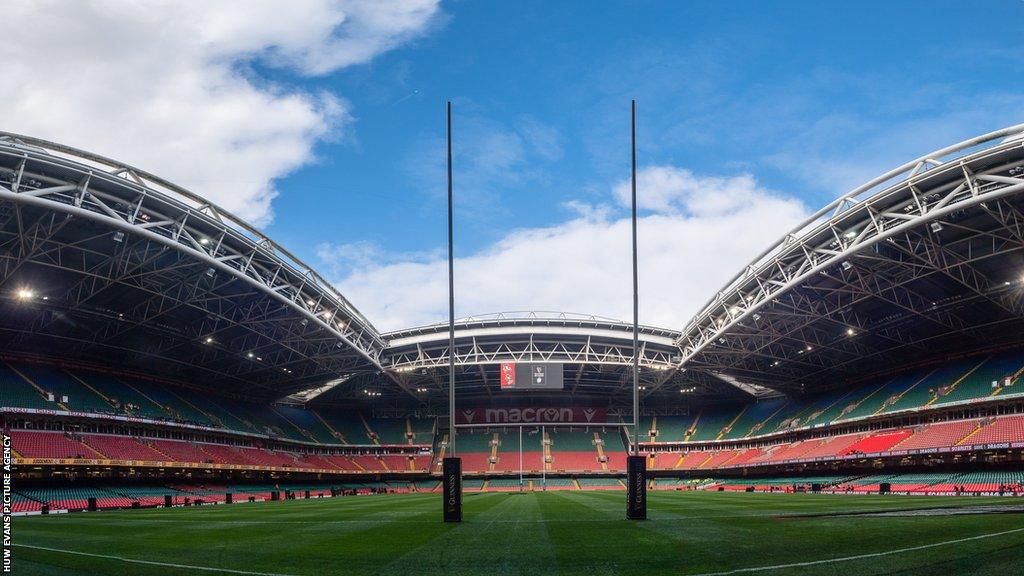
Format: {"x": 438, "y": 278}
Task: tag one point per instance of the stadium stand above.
{"x": 664, "y": 460}
{"x": 709, "y": 423}
{"x": 122, "y": 447}
{"x": 350, "y": 428}
{"x": 21, "y": 504}
{"x": 673, "y": 428}
{"x": 122, "y": 396}
{"x": 16, "y": 392}
{"x": 938, "y": 435}
{"x": 600, "y": 483}
{"x": 573, "y": 450}
{"x": 998, "y": 430}
{"x": 388, "y": 430}
{"x": 67, "y": 390}
{"x": 35, "y": 444}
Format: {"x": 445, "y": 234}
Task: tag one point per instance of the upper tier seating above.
{"x": 389, "y": 430}
{"x": 176, "y": 407}
{"x": 16, "y": 392}
{"x": 308, "y": 421}
{"x": 979, "y": 384}
{"x": 751, "y": 421}
{"x": 348, "y": 426}
{"x": 124, "y": 397}
{"x": 672, "y": 428}
{"x": 62, "y": 385}
{"x": 709, "y": 423}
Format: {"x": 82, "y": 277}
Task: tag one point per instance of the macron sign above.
{"x": 530, "y": 416}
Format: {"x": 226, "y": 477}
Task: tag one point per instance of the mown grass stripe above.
{"x": 150, "y": 562}
{"x": 859, "y": 556}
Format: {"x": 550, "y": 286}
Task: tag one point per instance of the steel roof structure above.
{"x": 104, "y": 262}
{"x": 108, "y": 264}
{"x": 924, "y": 261}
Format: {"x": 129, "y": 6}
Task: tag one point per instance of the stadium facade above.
{"x": 154, "y": 345}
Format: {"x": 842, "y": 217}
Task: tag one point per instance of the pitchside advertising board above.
{"x": 531, "y": 376}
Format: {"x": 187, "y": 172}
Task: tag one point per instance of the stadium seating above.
{"x": 21, "y": 504}
{"x": 752, "y": 419}
{"x": 693, "y": 459}
{"x": 389, "y": 430}
{"x": 16, "y": 392}
{"x": 75, "y": 498}
{"x": 709, "y": 423}
{"x": 348, "y": 426}
{"x": 573, "y": 450}
{"x": 1007, "y": 429}
{"x": 926, "y": 390}
{"x": 62, "y": 385}
{"x": 600, "y": 483}
{"x": 182, "y": 451}
{"x": 176, "y": 407}
{"x": 875, "y": 443}
{"x": 33, "y": 444}
{"x": 672, "y": 428}
{"x": 123, "y": 396}
{"x": 937, "y": 435}
{"x": 664, "y": 460}
{"x": 122, "y": 447}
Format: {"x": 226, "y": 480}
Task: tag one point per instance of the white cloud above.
{"x": 699, "y": 231}
{"x": 169, "y": 86}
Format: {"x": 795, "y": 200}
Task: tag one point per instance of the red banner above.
{"x": 508, "y": 374}
{"x": 498, "y": 416}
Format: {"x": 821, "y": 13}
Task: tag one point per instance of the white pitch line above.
{"x": 152, "y": 562}
{"x": 858, "y": 556}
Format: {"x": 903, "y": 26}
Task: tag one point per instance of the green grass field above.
{"x": 534, "y": 534}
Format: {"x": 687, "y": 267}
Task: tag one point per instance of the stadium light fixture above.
{"x": 208, "y": 340}
{"x": 25, "y": 294}
{"x": 935, "y": 227}
{"x": 204, "y": 241}
{"x": 850, "y": 332}
{"x": 850, "y": 234}
{"x": 249, "y": 354}
{"x": 846, "y": 265}
{"x": 119, "y": 237}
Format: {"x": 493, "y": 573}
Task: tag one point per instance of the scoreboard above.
{"x": 531, "y": 376}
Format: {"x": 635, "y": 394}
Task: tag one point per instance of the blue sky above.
{"x": 325, "y": 125}
{"x": 722, "y": 88}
